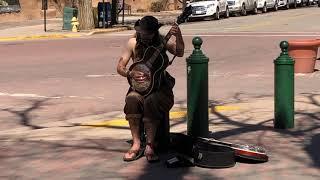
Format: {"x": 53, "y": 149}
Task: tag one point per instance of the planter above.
{"x": 304, "y": 52}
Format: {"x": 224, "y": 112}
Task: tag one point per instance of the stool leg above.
{"x": 163, "y": 133}
{"x": 142, "y": 134}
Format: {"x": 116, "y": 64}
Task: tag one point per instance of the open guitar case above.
{"x": 194, "y": 152}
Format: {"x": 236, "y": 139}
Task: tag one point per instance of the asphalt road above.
{"x": 53, "y": 80}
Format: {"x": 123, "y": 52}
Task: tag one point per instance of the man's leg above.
{"x": 151, "y": 122}
{"x": 150, "y": 146}
{"x": 133, "y": 110}
{"x": 156, "y": 106}
{"x": 135, "y": 132}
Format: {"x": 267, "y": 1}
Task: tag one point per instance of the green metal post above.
{"x": 197, "y": 91}
{"x": 284, "y": 89}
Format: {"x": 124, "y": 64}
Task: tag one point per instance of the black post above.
{"x": 123, "y": 12}
{"x": 104, "y": 15}
{"x": 45, "y": 21}
{"x": 107, "y": 14}
{"x": 44, "y": 8}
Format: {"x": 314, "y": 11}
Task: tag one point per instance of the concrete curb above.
{"x": 61, "y": 35}
{"x": 104, "y": 31}
{"x": 34, "y": 37}
{"x": 120, "y": 121}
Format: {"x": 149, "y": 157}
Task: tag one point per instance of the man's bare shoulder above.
{"x": 132, "y": 42}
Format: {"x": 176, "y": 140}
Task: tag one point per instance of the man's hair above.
{"x": 148, "y": 24}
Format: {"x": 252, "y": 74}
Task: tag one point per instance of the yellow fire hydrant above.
{"x": 74, "y": 23}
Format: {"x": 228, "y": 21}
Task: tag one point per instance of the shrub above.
{"x": 156, "y": 6}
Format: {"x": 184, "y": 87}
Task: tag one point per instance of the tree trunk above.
{"x": 114, "y": 12}
{"x": 85, "y": 16}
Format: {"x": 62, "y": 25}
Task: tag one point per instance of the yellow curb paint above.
{"x": 114, "y": 122}
{"x": 226, "y": 108}
{"x": 33, "y": 37}
{"x": 173, "y": 115}
{"x": 177, "y": 114}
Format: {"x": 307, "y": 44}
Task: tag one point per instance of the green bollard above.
{"x": 197, "y": 91}
{"x": 284, "y": 89}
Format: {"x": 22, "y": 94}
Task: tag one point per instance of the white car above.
{"x": 304, "y": 2}
{"x": 311, "y": 2}
{"x": 208, "y": 8}
{"x": 264, "y": 5}
{"x": 287, "y": 3}
{"x": 243, "y": 6}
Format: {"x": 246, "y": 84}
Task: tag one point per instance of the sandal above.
{"x": 151, "y": 157}
{"x": 137, "y": 154}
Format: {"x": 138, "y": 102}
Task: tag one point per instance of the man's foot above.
{"x": 133, "y": 155}
{"x": 150, "y": 154}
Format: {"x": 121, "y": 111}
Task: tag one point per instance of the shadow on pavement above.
{"x": 307, "y": 127}
{"x": 313, "y": 150}
{"x": 25, "y": 114}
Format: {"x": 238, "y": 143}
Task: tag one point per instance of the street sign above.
{"x": 44, "y": 5}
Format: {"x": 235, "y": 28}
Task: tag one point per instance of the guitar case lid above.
{"x": 212, "y": 155}
{"x": 207, "y": 155}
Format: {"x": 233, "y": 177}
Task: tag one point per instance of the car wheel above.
{"x": 189, "y": 20}
{"x": 217, "y": 15}
{"x": 243, "y": 10}
{"x": 275, "y": 8}
{"x": 255, "y": 10}
{"x": 227, "y": 14}
{"x": 308, "y": 3}
{"x": 287, "y": 5}
{"x": 264, "y": 9}
{"x": 295, "y": 4}
{"x": 318, "y": 3}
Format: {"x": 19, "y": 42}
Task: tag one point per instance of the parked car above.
{"x": 306, "y": 2}
{"x": 243, "y": 6}
{"x": 208, "y": 8}
{"x": 311, "y": 2}
{"x": 287, "y": 3}
{"x": 264, "y": 5}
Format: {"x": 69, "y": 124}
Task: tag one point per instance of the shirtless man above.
{"x": 148, "y": 110}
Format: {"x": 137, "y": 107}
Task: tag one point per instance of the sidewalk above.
{"x": 34, "y": 29}
{"x": 78, "y": 149}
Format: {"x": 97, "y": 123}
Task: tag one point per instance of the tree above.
{"x": 85, "y": 16}
{"x": 184, "y": 3}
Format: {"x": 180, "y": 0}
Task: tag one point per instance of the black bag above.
{"x": 204, "y": 154}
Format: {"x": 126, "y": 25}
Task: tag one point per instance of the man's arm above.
{"x": 176, "y": 47}
{"x": 124, "y": 59}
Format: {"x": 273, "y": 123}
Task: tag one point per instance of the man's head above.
{"x": 147, "y": 28}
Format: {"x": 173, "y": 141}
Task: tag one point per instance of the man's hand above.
{"x": 137, "y": 76}
{"x": 177, "y": 47}
{"x": 175, "y": 30}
